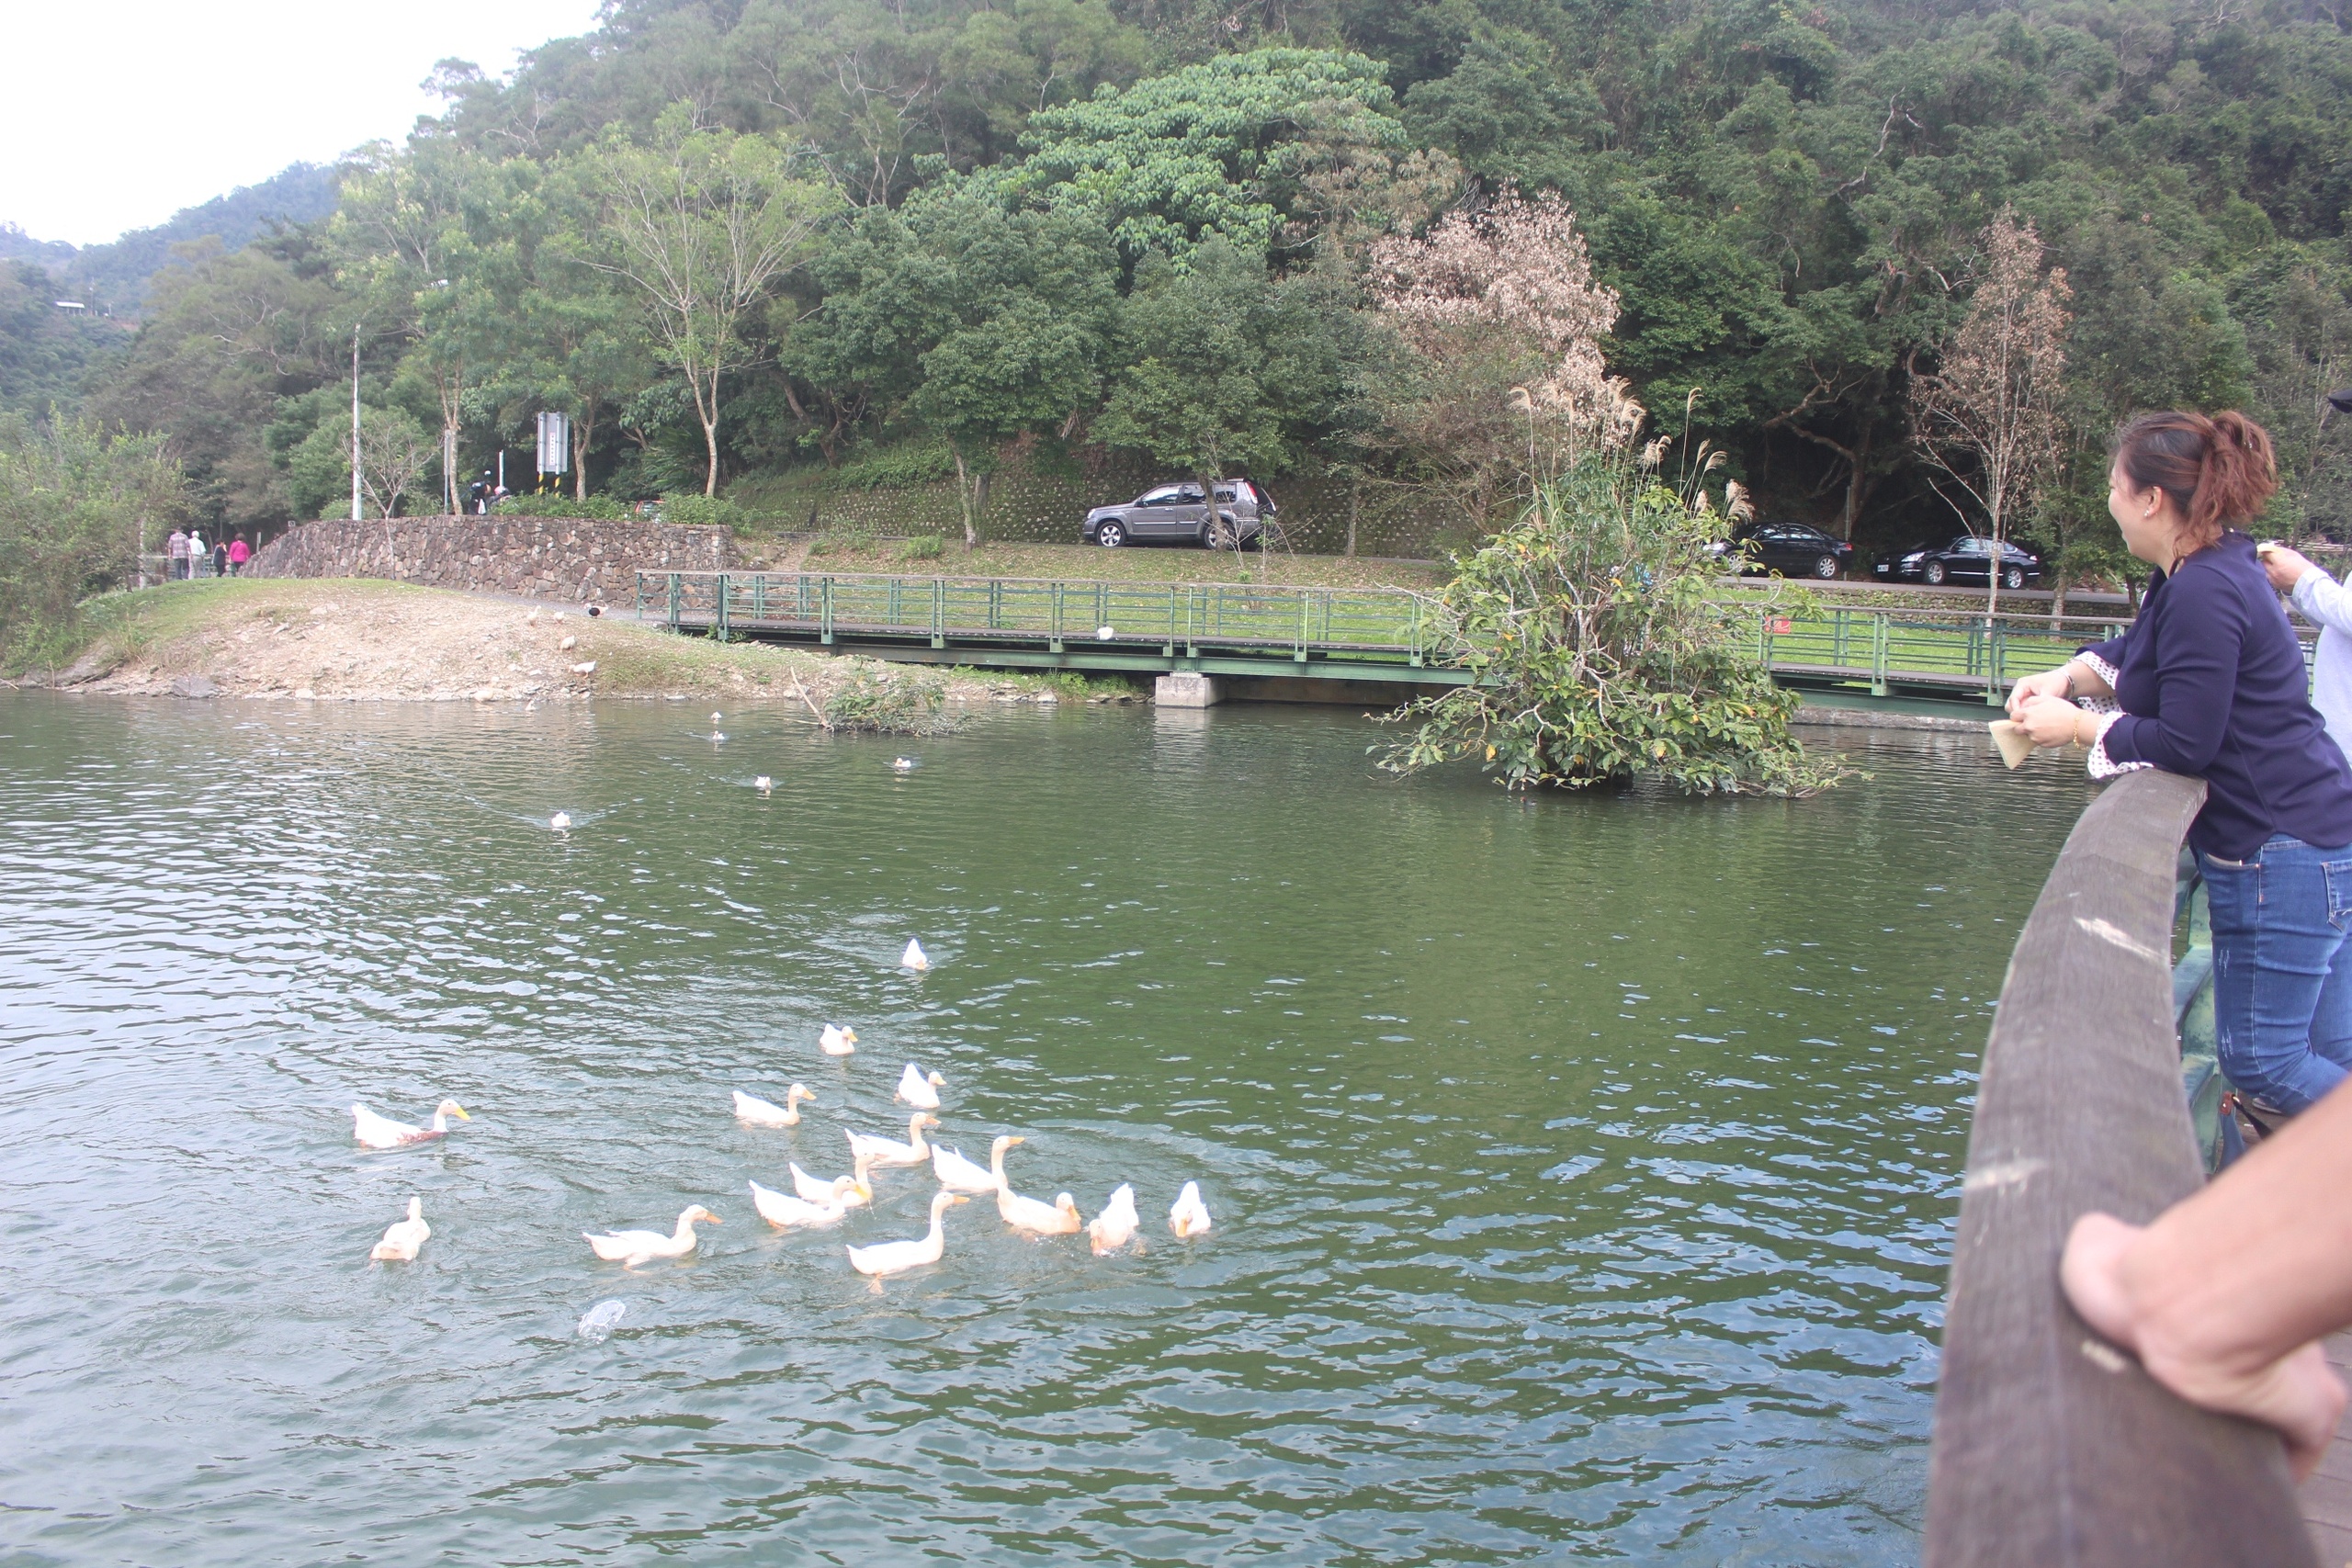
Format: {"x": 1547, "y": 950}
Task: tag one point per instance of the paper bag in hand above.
{"x": 2010, "y": 737}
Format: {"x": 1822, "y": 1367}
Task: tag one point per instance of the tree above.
{"x": 701, "y": 223}
{"x": 78, "y": 504}
{"x": 1988, "y": 417}
{"x": 1501, "y": 323}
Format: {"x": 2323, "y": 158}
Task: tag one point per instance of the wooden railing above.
{"x": 2052, "y": 1448}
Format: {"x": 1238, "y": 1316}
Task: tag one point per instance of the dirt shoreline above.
{"x": 360, "y": 640}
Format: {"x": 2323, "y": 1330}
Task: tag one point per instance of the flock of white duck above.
{"x": 816, "y": 1202}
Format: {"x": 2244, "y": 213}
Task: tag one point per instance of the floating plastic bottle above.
{"x": 596, "y": 1325}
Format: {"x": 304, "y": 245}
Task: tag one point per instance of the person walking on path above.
{"x": 2209, "y": 682}
{"x": 196, "y": 553}
{"x": 239, "y": 554}
{"x": 220, "y": 558}
{"x": 176, "y": 555}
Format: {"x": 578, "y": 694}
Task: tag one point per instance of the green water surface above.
{"x": 1583, "y": 1168}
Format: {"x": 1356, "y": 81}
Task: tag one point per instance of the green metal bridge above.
{"x": 1321, "y": 634}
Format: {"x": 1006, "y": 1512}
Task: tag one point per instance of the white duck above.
{"x": 816, "y": 1190}
{"x": 889, "y": 1151}
{"x": 836, "y": 1040}
{"x": 903, "y": 764}
{"x": 751, "y": 1110}
{"x": 560, "y": 821}
{"x": 382, "y": 1132}
{"x": 1117, "y": 1223}
{"x": 898, "y": 1256}
{"x": 914, "y": 957}
{"x": 763, "y": 783}
{"x": 919, "y": 1089}
{"x": 403, "y": 1239}
{"x": 1056, "y": 1218}
{"x": 960, "y": 1175}
{"x": 785, "y": 1212}
{"x": 1188, "y": 1216}
{"x": 633, "y": 1248}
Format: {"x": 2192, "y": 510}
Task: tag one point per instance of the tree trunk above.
{"x": 980, "y": 507}
{"x": 1856, "y": 484}
{"x": 964, "y": 498}
{"x": 584, "y": 433}
{"x": 1355, "y": 496}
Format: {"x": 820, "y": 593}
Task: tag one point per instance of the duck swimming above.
{"x": 836, "y": 1040}
{"x": 919, "y": 1089}
{"x": 914, "y": 957}
{"x": 1188, "y": 1217}
{"x": 898, "y": 1256}
{"x": 751, "y": 1110}
{"x": 1117, "y": 1223}
{"x": 889, "y": 1151}
{"x": 1056, "y": 1218}
{"x": 403, "y": 1239}
{"x": 786, "y": 1212}
{"x": 382, "y": 1132}
{"x": 815, "y": 1190}
{"x": 959, "y": 1175}
{"x": 633, "y": 1248}
{"x": 560, "y": 821}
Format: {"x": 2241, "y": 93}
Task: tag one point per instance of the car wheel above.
{"x": 1933, "y": 574}
{"x": 1217, "y": 535}
{"x": 2011, "y": 576}
{"x": 1826, "y": 567}
{"x": 1110, "y": 535}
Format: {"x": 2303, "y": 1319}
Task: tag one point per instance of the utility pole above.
{"x": 355, "y": 423}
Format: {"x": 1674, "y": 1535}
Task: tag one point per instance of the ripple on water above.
{"x": 1568, "y": 1200}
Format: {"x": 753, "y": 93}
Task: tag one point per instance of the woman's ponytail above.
{"x": 2220, "y": 471}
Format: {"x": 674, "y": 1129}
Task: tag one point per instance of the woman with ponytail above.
{"x": 2210, "y": 682}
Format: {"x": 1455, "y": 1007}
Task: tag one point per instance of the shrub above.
{"x": 1600, "y": 651}
{"x": 922, "y": 546}
{"x": 882, "y": 702}
{"x": 702, "y": 511}
{"x": 597, "y": 508}
{"x": 76, "y": 506}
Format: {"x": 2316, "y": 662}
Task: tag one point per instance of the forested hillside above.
{"x": 917, "y": 239}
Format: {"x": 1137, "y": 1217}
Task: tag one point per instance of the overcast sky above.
{"x": 118, "y": 113}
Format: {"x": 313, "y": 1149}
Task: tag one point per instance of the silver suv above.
{"x": 1176, "y": 512}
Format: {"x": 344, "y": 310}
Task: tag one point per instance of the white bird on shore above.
{"x": 763, "y": 783}
{"x": 889, "y": 1151}
{"x": 959, "y": 1175}
{"x": 898, "y": 1256}
{"x": 1117, "y": 1223}
{"x": 382, "y": 1132}
{"x": 914, "y": 957}
{"x": 403, "y": 1239}
{"x": 786, "y": 1212}
{"x": 1188, "y": 1216}
{"x": 757, "y": 1112}
{"x": 814, "y": 1191}
{"x": 836, "y": 1040}
{"x": 560, "y": 821}
{"x": 919, "y": 1089}
{"x": 633, "y": 1248}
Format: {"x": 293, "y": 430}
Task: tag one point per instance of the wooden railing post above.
{"x": 2052, "y": 1448}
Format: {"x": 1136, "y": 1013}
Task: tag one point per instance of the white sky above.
{"x": 115, "y": 116}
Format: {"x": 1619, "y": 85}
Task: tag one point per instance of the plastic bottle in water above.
{"x": 597, "y": 1326}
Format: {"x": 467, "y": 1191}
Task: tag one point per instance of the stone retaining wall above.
{"x": 577, "y": 560}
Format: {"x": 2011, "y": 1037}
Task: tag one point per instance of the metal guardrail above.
{"x": 2051, "y": 1446}
{"x": 1888, "y": 651}
{"x": 1176, "y": 619}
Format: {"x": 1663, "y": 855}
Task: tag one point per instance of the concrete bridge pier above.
{"x": 1187, "y": 689}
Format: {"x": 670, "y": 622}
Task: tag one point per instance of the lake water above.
{"x": 1584, "y": 1169}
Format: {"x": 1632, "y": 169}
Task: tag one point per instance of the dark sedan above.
{"x": 1792, "y": 549}
{"x": 1968, "y": 558}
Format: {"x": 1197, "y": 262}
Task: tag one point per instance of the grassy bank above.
{"x": 367, "y": 640}
{"x": 1132, "y": 564}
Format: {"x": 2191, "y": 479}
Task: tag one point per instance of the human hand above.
{"x": 2058, "y": 683}
{"x": 2298, "y": 1394}
{"x": 2284, "y": 567}
{"x": 2050, "y": 721}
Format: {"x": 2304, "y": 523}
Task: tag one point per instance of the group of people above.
{"x": 484, "y": 493}
{"x": 186, "y": 551}
{"x": 2224, "y": 1297}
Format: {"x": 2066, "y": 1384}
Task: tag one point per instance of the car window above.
{"x": 1968, "y": 547}
{"x": 1166, "y": 495}
{"x": 1224, "y": 495}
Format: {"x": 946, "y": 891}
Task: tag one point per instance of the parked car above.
{"x": 1792, "y": 549}
{"x": 1244, "y": 511}
{"x": 1966, "y": 558}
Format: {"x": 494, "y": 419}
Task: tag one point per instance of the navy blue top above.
{"x": 2211, "y": 683}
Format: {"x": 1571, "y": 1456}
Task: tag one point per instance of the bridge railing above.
{"x": 1174, "y": 616}
{"x": 2052, "y": 1448}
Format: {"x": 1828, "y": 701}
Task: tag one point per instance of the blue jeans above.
{"x": 2282, "y": 969}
